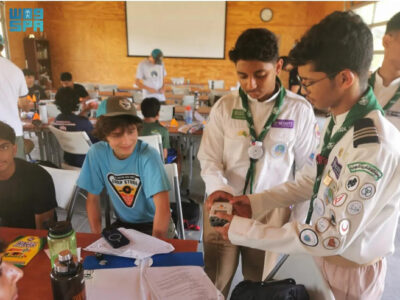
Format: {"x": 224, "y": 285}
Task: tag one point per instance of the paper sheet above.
{"x": 140, "y": 246}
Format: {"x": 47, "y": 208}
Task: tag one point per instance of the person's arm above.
{"x": 162, "y": 216}
{"x": 94, "y": 212}
{"x": 141, "y": 85}
{"x": 165, "y": 153}
{"x": 43, "y": 220}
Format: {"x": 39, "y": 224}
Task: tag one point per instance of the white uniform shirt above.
{"x": 223, "y": 150}
{"x": 384, "y": 94}
{"x": 12, "y": 86}
{"x": 152, "y": 76}
{"x": 355, "y": 216}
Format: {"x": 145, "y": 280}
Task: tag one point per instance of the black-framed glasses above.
{"x": 312, "y": 82}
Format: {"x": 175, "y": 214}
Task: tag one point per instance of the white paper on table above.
{"x": 78, "y": 253}
{"x": 181, "y": 283}
{"x": 140, "y": 245}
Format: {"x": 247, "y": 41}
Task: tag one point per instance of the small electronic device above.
{"x": 222, "y": 207}
{"x": 114, "y": 237}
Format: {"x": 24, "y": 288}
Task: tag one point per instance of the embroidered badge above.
{"x": 309, "y": 238}
{"x": 352, "y": 183}
{"x": 311, "y": 158}
{"x": 328, "y": 195}
{"x": 280, "y": 123}
{"x": 344, "y": 226}
{"x": 339, "y": 200}
{"x": 322, "y": 225}
{"x": 332, "y": 217}
{"x": 126, "y": 187}
{"x": 336, "y": 167}
{"x": 367, "y": 191}
{"x": 363, "y": 101}
{"x": 327, "y": 179}
{"x": 243, "y": 133}
{"x": 125, "y": 104}
{"x": 354, "y": 207}
{"x": 278, "y": 150}
{"x": 364, "y": 132}
{"x": 316, "y": 131}
{"x": 370, "y": 169}
{"x": 331, "y": 243}
{"x": 238, "y": 114}
{"x": 319, "y": 207}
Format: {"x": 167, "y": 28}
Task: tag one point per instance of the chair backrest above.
{"x": 52, "y": 110}
{"x": 75, "y": 142}
{"x": 175, "y": 196}
{"x": 188, "y": 100}
{"x": 216, "y": 84}
{"x": 108, "y": 87}
{"x": 166, "y": 112}
{"x": 65, "y": 186}
{"x": 154, "y": 141}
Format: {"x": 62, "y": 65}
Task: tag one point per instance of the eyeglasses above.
{"x": 4, "y": 147}
{"x": 312, "y": 82}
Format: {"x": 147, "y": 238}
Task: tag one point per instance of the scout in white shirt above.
{"x": 386, "y": 80}
{"x": 260, "y": 132}
{"x": 355, "y": 193}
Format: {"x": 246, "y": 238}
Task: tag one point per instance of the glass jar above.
{"x": 61, "y": 237}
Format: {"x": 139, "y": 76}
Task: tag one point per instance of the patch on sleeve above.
{"x": 365, "y": 132}
{"x": 361, "y": 166}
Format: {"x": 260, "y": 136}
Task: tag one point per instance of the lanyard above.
{"x": 392, "y": 100}
{"x": 250, "y": 123}
{"x": 366, "y": 104}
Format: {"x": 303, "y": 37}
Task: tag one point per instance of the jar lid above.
{"x": 64, "y": 255}
{"x": 60, "y": 229}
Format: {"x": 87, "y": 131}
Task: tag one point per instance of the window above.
{"x": 3, "y": 30}
{"x": 376, "y": 15}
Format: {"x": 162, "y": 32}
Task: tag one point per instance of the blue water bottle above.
{"x": 188, "y": 115}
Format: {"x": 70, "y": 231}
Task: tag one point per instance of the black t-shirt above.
{"x": 37, "y": 89}
{"x": 80, "y": 90}
{"x": 29, "y": 191}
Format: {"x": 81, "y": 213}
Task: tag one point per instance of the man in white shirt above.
{"x": 354, "y": 191}
{"x": 13, "y": 91}
{"x": 386, "y": 80}
{"x": 262, "y": 133}
{"x": 150, "y": 76}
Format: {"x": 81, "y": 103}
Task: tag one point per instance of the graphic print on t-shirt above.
{"x": 126, "y": 186}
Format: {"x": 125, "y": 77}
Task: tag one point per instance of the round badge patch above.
{"x": 367, "y": 191}
{"x": 309, "y": 238}
{"x": 278, "y": 150}
{"x": 319, "y": 207}
{"x": 352, "y": 183}
{"x": 344, "y": 226}
{"x": 322, "y": 225}
{"x": 255, "y": 151}
{"x": 339, "y": 200}
{"x": 331, "y": 243}
{"x": 354, "y": 207}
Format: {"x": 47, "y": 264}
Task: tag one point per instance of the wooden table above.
{"x": 36, "y": 281}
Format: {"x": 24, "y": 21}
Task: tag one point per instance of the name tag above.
{"x": 280, "y": 123}
{"x": 238, "y": 114}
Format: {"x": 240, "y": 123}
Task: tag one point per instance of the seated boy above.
{"x": 151, "y": 112}
{"x": 67, "y": 101}
{"x": 131, "y": 171}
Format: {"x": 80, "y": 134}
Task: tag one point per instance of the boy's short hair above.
{"x": 393, "y": 24}
{"x": 28, "y": 72}
{"x": 150, "y": 107}
{"x": 67, "y": 100}
{"x": 255, "y": 44}
{"x": 340, "y": 41}
{"x": 7, "y": 133}
{"x": 66, "y": 76}
{"x": 105, "y": 125}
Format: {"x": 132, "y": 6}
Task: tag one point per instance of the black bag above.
{"x": 190, "y": 211}
{"x": 285, "y": 289}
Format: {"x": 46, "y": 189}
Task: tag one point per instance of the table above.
{"x": 36, "y": 281}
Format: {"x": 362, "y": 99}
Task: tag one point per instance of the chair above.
{"x": 52, "y": 110}
{"x": 108, "y": 87}
{"x": 66, "y": 189}
{"x": 166, "y": 112}
{"x": 175, "y": 196}
{"x": 154, "y": 141}
{"x": 75, "y": 142}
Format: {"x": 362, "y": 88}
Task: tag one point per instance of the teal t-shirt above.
{"x": 156, "y": 128}
{"x": 130, "y": 183}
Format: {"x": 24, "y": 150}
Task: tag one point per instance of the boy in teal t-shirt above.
{"x": 151, "y": 111}
{"x": 130, "y": 170}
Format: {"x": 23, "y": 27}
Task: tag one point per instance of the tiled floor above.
{"x": 80, "y": 224}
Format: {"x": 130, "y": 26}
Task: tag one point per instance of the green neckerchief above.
{"x": 392, "y": 100}
{"x": 366, "y": 104}
{"x": 250, "y": 123}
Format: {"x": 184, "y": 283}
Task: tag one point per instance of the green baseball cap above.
{"x": 157, "y": 55}
{"x": 117, "y": 106}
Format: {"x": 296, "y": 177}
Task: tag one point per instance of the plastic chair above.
{"x": 154, "y": 141}
{"x": 175, "y": 196}
{"x": 52, "y": 110}
{"x": 166, "y": 112}
{"x": 66, "y": 189}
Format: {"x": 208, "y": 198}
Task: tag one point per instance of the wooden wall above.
{"x": 89, "y": 38}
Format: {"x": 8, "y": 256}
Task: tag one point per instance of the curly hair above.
{"x": 67, "y": 100}
{"x": 105, "y": 125}
{"x": 255, "y": 44}
{"x": 340, "y": 41}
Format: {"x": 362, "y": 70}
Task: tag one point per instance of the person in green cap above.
{"x": 150, "y": 76}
